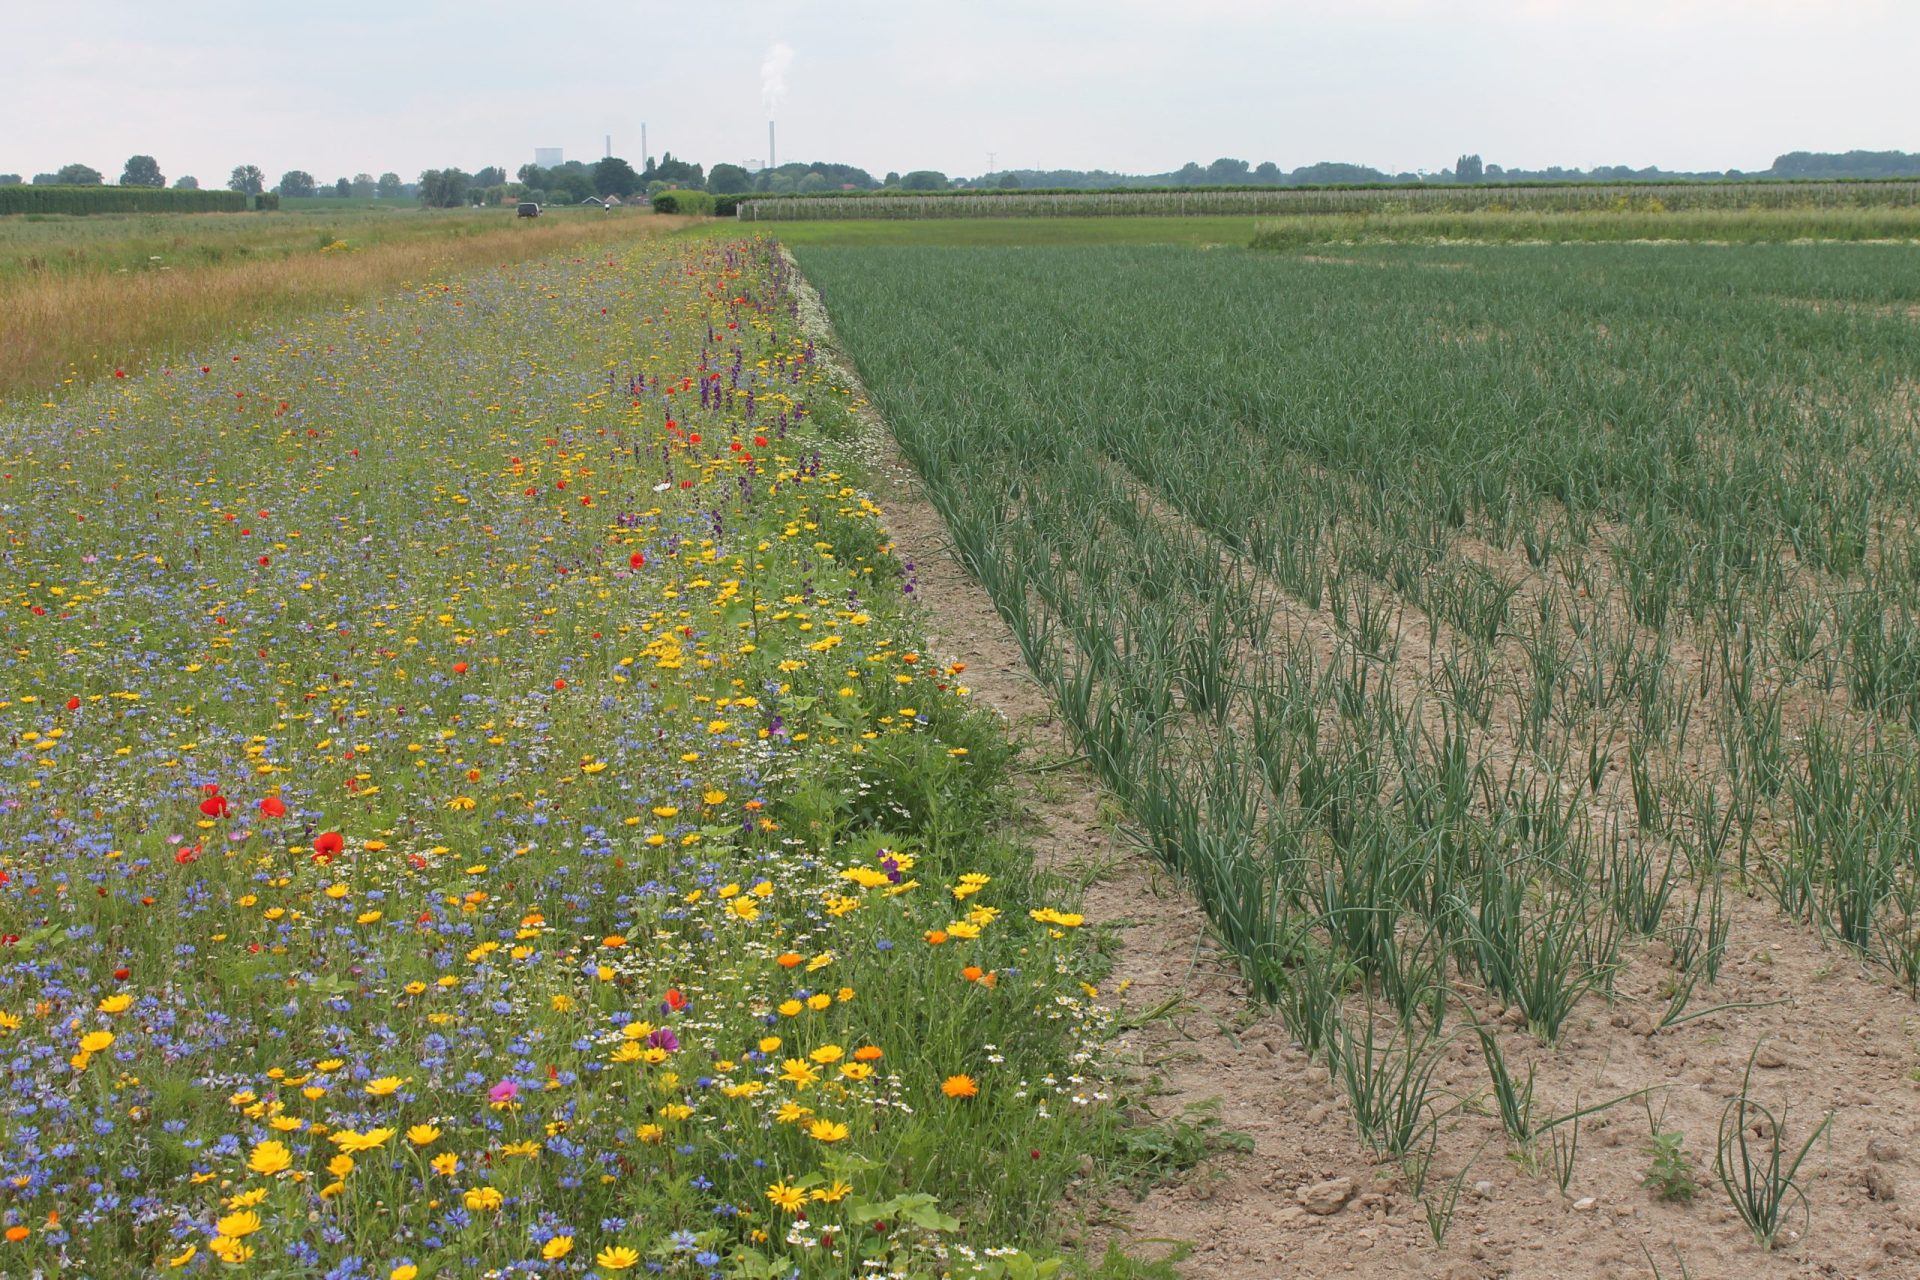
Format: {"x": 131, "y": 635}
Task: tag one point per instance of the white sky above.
{"x": 1128, "y": 85}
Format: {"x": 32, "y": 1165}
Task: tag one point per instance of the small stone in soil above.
{"x": 1327, "y": 1197}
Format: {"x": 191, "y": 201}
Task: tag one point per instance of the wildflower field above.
{"x": 1516, "y": 649}
{"x": 474, "y": 803}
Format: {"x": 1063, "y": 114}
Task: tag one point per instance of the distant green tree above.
{"x": 1469, "y": 169}
{"x": 679, "y": 173}
{"x": 724, "y": 179}
{"x": 295, "y": 182}
{"x": 812, "y": 181}
{"x": 78, "y": 175}
{"x": 9, "y": 179}
{"x": 142, "y": 171}
{"x": 1266, "y": 172}
{"x": 45, "y": 179}
{"x": 573, "y": 186}
{"x": 444, "y": 188}
{"x": 186, "y": 182}
{"x": 1008, "y": 181}
{"x": 614, "y": 177}
{"x": 342, "y": 188}
{"x": 924, "y": 180}
{"x": 362, "y": 187}
{"x": 388, "y": 187}
{"x": 531, "y": 174}
{"x": 891, "y": 180}
{"x": 248, "y": 179}
{"x": 491, "y": 176}
{"x": 1226, "y": 171}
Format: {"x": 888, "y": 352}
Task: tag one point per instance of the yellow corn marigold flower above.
{"x": 826, "y": 1131}
{"x": 354, "y": 1143}
{"x": 340, "y": 1166}
{"x": 96, "y": 1042}
{"x": 118, "y": 1003}
{"x": 557, "y": 1248}
{"x": 422, "y": 1135}
{"x": 270, "y": 1158}
{"x": 236, "y": 1225}
{"x": 385, "y": 1086}
{"x": 405, "y": 1272}
{"x": 230, "y": 1251}
{"x": 446, "y": 1165}
{"x": 617, "y": 1257}
{"x": 785, "y": 1197}
{"x": 483, "y": 1199}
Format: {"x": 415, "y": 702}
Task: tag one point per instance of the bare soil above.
{"x": 1833, "y": 1036}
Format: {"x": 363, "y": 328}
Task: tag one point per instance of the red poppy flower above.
{"x": 73, "y": 704}
{"x": 637, "y": 560}
{"x": 215, "y": 806}
{"x": 121, "y": 975}
{"x": 675, "y": 1001}
{"x": 273, "y": 807}
{"x": 327, "y": 845}
{"x": 559, "y": 684}
{"x": 459, "y": 668}
{"x": 694, "y": 438}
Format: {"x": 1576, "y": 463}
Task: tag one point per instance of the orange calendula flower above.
{"x": 960, "y": 1086}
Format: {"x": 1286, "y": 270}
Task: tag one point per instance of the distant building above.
{"x": 549, "y": 157}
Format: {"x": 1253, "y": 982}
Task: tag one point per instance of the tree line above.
{"x": 576, "y": 181}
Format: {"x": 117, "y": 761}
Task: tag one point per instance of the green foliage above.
{"x": 247, "y": 179}
{"x": 699, "y": 203}
{"x": 1670, "y": 1175}
{"x": 46, "y": 199}
{"x": 142, "y": 171}
{"x": 78, "y": 175}
{"x": 613, "y": 176}
{"x": 443, "y": 188}
{"x": 724, "y": 179}
{"x": 1757, "y": 1168}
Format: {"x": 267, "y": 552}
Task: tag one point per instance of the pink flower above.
{"x": 505, "y": 1091}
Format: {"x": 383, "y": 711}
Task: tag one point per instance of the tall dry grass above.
{"x": 61, "y": 329}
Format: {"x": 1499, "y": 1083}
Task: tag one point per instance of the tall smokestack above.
{"x": 770, "y": 160}
{"x": 643, "y": 144}
{"x": 609, "y": 146}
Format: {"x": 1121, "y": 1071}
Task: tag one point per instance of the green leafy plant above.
{"x": 1670, "y": 1175}
{"x": 1757, "y": 1168}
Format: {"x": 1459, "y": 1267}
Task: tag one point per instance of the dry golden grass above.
{"x": 61, "y": 329}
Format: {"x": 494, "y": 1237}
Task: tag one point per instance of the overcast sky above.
{"x": 1131, "y": 85}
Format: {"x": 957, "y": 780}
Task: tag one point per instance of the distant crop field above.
{"x": 1439, "y": 197}
{"x": 83, "y": 296}
{"x": 1496, "y": 640}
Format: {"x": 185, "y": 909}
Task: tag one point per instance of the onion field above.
{"x": 1502, "y": 642}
